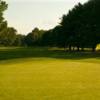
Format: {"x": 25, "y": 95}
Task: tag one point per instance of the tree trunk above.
{"x": 73, "y": 49}
{"x": 78, "y": 49}
{"x": 70, "y": 48}
{"x": 82, "y": 49}
{"x": 93, "y": 49}
{"x": 65, "y": 47}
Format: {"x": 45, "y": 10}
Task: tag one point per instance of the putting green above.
{"x": 49, "y": 79}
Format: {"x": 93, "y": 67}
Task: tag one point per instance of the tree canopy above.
{"x": 80, "y": 28}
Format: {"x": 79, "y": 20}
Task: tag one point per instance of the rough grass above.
{"x": 42, "y": 74}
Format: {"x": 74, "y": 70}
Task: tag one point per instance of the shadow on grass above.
{"x": 13, "y": 53}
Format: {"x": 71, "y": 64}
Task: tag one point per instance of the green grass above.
{"x": 43, "y": 74}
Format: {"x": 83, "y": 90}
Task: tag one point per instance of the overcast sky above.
{"x": 25, "y": 15}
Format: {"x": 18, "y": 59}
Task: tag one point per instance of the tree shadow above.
{"x": 13, "y": 53}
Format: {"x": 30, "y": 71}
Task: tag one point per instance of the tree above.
{"x": 20, "y": 40}
{"x": 81, "y": 26}
{"x": 71, "y": 25}
{"x": 47, "y": 38}
{"x": 3, "y": 7}
{"x": 34, "y": 37}
{"x": 8, "y": 36}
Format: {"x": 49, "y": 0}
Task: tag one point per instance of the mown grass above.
{"x": 45, "y": 74}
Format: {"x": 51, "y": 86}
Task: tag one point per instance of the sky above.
{"x": 25, "y": 15}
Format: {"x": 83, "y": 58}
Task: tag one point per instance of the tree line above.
{"x": 78, "y": 29}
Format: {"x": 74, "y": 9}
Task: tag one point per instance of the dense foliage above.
{"x": 80, "y": 28}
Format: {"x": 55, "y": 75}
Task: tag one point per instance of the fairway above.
{"x": 42, "y": 74}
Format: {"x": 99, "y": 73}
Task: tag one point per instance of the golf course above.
{"x": 49, "y": 49}
{"x": 48, "y": 74}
